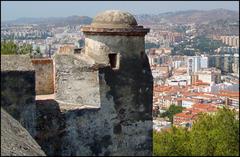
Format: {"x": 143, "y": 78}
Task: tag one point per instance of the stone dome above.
{"x": 114, "y": 19}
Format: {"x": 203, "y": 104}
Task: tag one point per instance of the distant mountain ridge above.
{"x": 71, "y": 20}
{"x": 179, "y": 17}
{"x": 189, "y": 16}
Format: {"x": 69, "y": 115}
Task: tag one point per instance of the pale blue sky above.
{"x": 11, "y": 10}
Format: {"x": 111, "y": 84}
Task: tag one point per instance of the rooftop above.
{"x": 184, "y": 115}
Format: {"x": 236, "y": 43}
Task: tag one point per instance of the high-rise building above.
{"x": 235, "y": 65}
{"x": 209, "y": 75}
{"x": 177, "y": 64}
{"x": 194, "y": 64}
{"x": 204, "y": 62}
{"x": 228, "y": 50}
{"x": 211, "y": 61}
{"x": 227, "y": 63}
{"x": 194, "y": 79}
{"x": 230, "y": 40}
{"x": 219, "y": 60}
{"x": 224, "y": 62}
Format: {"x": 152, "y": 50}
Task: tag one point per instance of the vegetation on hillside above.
{"x": 203, "y": 44}
{"x": 198, "y": 45}
{"x": 211, "y": 135}
{"x": 10, "y": 48}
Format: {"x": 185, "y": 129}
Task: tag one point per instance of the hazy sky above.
{"x": 12, "y": 10}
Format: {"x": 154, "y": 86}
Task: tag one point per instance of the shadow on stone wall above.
{"x": 50, "y": 126}
{"x": 53, "y": 129}
{"x": 18, "y": 97}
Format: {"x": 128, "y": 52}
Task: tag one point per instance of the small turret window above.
{"x": 113, "y": 60}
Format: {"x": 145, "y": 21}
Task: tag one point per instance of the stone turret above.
{"x": 114, "y": 35}
{"x": 111, "y": 83}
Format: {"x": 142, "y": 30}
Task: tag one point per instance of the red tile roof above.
{"x": 184, "y": 115}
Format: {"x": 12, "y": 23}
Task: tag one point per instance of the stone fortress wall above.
{"x": 76, "y": 81}
{"x": 103, "y": 96}
{"x": 44, "y": 76}
{"x": 18, "y": 89}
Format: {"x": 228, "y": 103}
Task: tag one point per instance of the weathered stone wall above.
{"x": 121, "y": 123}
{"x": 76, "y": 81}
{"x": 116, "y": 128}
{"x": 18, "y": 89}
{"x": 15, "y": 140}
{"x": 98, "y": 46}
{"x": 44, "y": 76}
{"x": 50, "y": 127}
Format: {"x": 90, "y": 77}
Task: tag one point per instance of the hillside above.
{"x": 180, "y": 17}
{"x": 60, "y": 21}
{"x": 190, "y": 16}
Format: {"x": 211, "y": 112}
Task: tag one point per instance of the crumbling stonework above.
{"x": 44, "y": 76}
{"x": 76, "y": 81}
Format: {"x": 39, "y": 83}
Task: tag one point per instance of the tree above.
{"x": 173, "y": 142}
{"x": 216, "y": 135}
{"x": 36, "y": 53}
{"x": 211, "y": 135}
{"x": 173, "y": 109}
{"x": 204, "y": 44}
{"x": 25, "y": 49}
{"x": 38, "y": 50}
{"x": 10, "y": 48}
{"x": 201, "y": 137}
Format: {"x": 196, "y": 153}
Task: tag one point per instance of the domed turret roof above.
{"x": 114, "y": 19}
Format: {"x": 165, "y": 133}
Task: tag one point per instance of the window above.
{"x": 113, "y": 60}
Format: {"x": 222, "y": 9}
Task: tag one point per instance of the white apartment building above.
{"x": 193, "y": 64}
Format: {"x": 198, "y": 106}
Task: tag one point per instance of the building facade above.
{"x": 193, "y": 64}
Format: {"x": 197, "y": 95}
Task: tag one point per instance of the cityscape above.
{"x": 193, "y": 56}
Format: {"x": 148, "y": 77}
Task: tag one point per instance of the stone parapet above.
{"x": 16, "y": 63}
{"x": 44, "y": 76}
{"x": 76, "y": 81}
